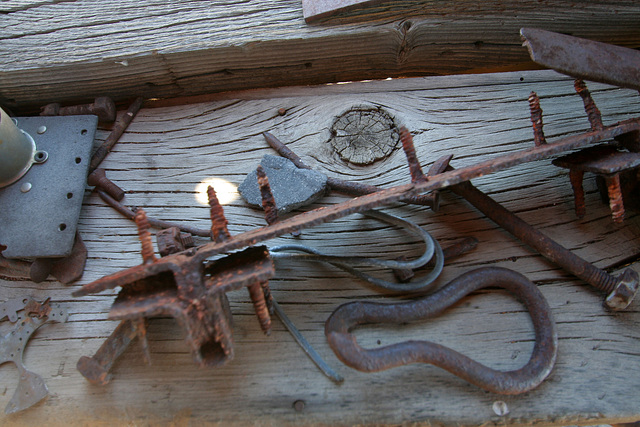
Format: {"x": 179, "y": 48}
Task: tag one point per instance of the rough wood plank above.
{"x": 76, "y": 50}
{"x": 168, "y": 150}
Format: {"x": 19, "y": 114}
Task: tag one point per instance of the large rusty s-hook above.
{"x": 539, "y": 366}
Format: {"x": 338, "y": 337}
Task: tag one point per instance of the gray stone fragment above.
{"x": 291, "y": 187}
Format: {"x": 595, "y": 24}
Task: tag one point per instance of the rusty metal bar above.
{"x": 366, "y": 202}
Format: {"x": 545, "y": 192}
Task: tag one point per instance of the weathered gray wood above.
{"x": 168, "y": 150}
{"x": 76, "y": 50}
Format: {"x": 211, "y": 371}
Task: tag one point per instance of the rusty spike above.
{"x": 409, "y": 150}
{"x": 148, "y": 255}
{"x": 219, "y": 231}
{"x": 268, "y": 202}
{"x": 593, "y": 113}
{"x": 615, "y": 197}
{"x": 536, "y": 119}
{"x": 257, "y": 295}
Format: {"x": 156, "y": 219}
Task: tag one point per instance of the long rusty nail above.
{"x": 409, "y": 150}
{"x": 103, "y": 107}
{"x": 593, "y": 113}
{"x": 340, "y": 185}
{"x": 575, "y": 177}
{"x": 148, "y": 254}
{"x": 219, "y": 231}
{"x": 536, "y": 119}
{"x": 118, "y": 129}
{"x": 98, "y": 178}
{"x": 621, "y": 289}
{"x": 96, "y": 368}
{"x": 152, "y": 221}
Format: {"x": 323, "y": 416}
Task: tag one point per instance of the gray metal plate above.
{"x": 42, "y": 222}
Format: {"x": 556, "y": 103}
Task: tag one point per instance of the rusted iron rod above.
{"x": 367, "y": 202}
{"x": 349, "y": 316}
{"x": 118, "y": 129}
{"x": 156, "y": 223}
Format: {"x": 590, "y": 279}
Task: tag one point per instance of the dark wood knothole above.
{"x": 364, "y": 134}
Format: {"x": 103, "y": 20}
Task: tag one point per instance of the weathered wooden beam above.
{"x": 74, "y": 51}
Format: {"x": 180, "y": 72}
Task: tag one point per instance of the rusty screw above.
{"x": 103, "y": 107}
{"x": 148, "y": 255}
{"x": 257, "y": 295}
{"x": 98, "y": 178}
{"x": 593, "y": 113}
{"x": 536, "y": 119}
{"x": 268, "y": 202}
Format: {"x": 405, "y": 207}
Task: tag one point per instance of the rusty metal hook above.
{"x": 432, "y": 251}
{"x": 350, "y": 315}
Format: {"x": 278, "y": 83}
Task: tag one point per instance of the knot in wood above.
{"x": 363, "y": 135}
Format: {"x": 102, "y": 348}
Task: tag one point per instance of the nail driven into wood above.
{"x": 148, "y": 254}
{"x": 536, "y": 119}
{"x": 219, "y": 231}
{"x": 593, "y": 113}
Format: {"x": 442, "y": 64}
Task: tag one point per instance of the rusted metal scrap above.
{"x": 185, "y": 286}
{"x": 348, "y": 316}
{"x": 191, "y": 289}
{"x": 31, "y": 315}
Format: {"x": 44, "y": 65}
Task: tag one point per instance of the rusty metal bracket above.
{"x": 349, "y": 316}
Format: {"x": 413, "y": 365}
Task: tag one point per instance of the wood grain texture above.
{"x": 167, "y": 151}
{"x": 73, "y": 51}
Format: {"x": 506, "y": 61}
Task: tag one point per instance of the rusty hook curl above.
{"x": 350, "y": 315}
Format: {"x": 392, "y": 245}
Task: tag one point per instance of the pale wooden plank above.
{"x": 168, "y": 150}
{"x": 76, "y": 50}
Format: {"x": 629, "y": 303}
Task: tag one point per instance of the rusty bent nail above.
{"x": 620, "y": 290}
{"x": 98, "y": 178}
{"x": 103, "y": 107}
{"x": 118, "y": 129}
{"x": 350, "y": 315}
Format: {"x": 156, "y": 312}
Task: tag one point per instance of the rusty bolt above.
{"x": 103, "y": 107}
{"x": 98, "y": 178}
{"x": 624, "y": 291}
{"x": 282, "y": 111}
